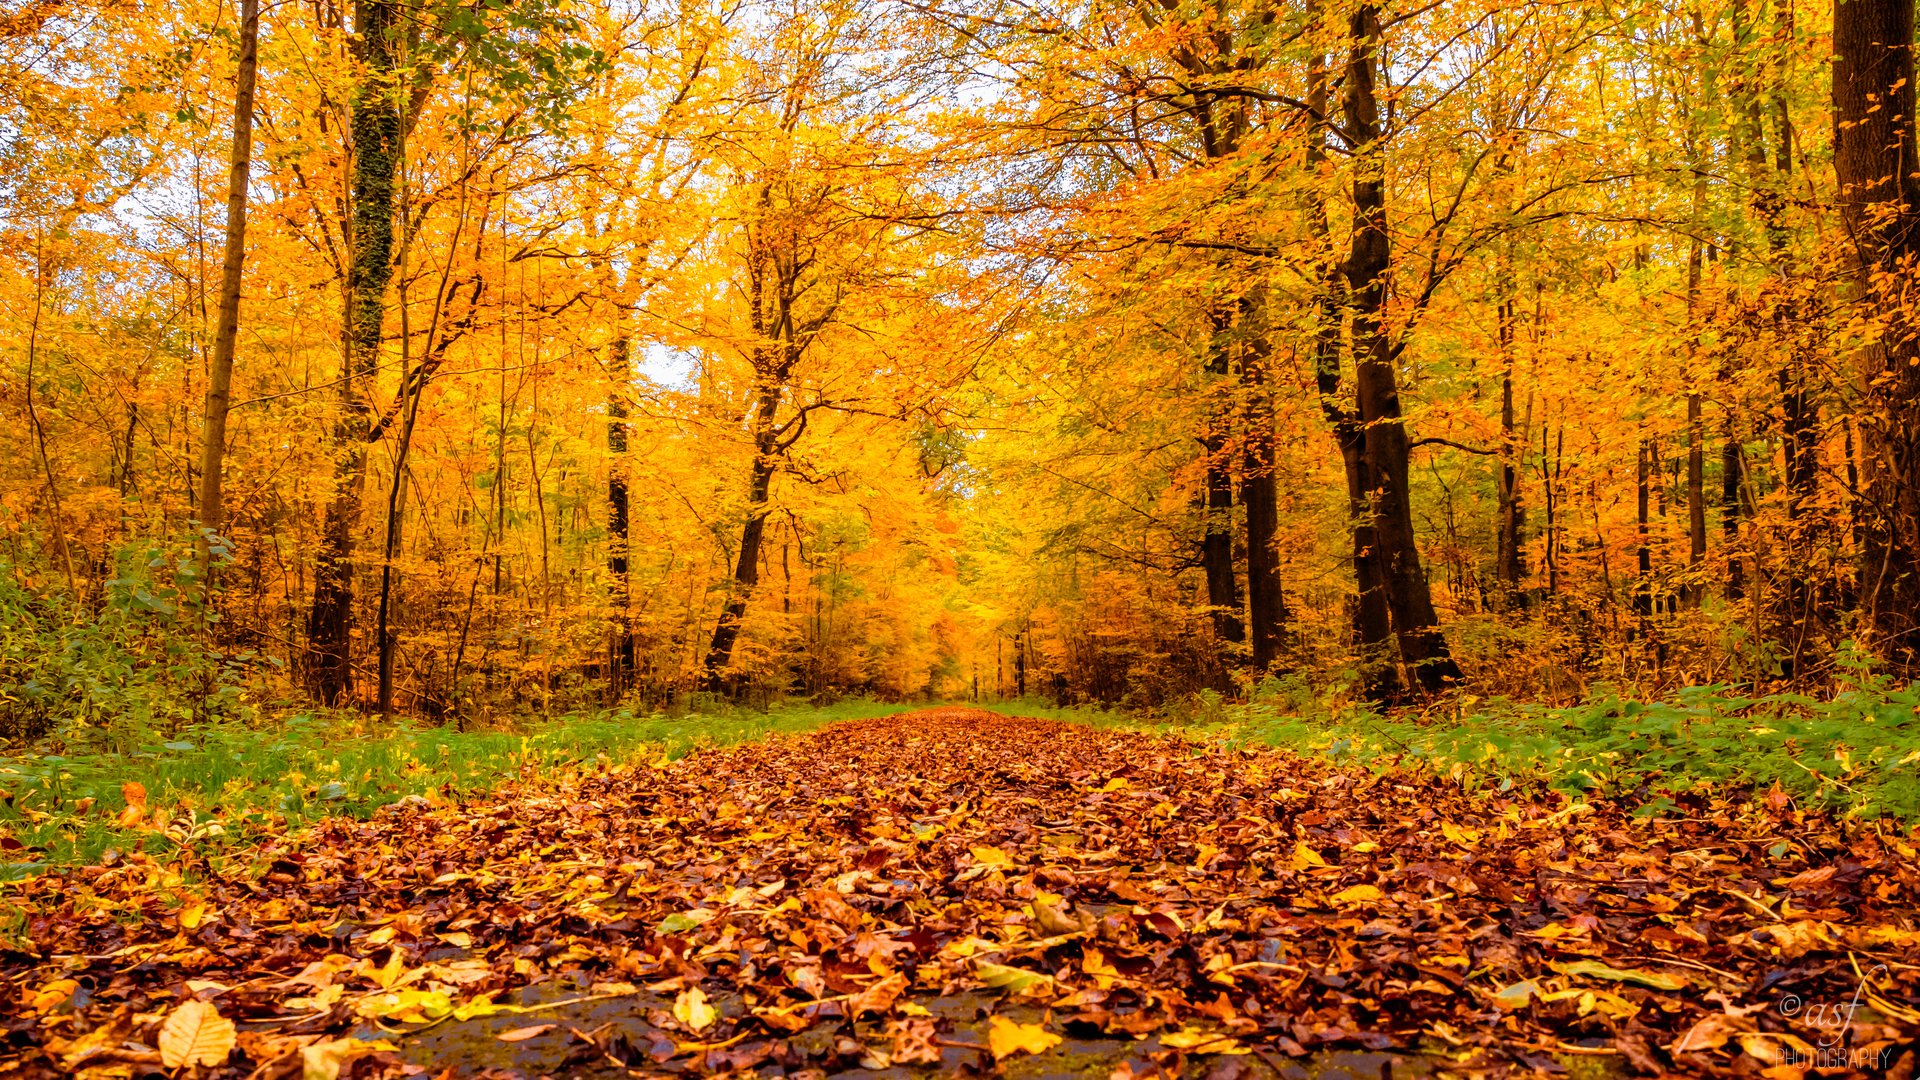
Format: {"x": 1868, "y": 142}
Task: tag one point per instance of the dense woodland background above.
{"x": 590, "y": 350}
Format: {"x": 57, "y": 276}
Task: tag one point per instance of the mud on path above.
{"x": 953, "y": 891}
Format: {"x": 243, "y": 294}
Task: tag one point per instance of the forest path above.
{"x": 932, "y": 891}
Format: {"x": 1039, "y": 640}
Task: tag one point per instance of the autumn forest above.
{"x": 1121, "y": 538}
{"x": 444, "y": 356}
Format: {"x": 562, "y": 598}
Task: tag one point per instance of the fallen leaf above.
{"x": 522, "y": 1034}
{"x": 1011, "y": 979}
{"x": 324, "y": 1060}
{"x": 1356, "y": 894}
{"x": 1202, "y": 1041}
{"x": 1006, "y": 1037}
{"x": 195, "y": 1033}
{"x": 691, "y": 1009}
{"x": 1598, "y": 970}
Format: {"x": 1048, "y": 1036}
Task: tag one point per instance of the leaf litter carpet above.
{"x": 954, "y": 892}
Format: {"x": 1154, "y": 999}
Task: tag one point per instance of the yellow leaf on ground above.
{"x": 691, "y": 1009}
{"x": 52, "y": 995}
{"x": 192, "y": 915}
{"x": 1201, "y": 1041}
{"x": 1304, "y": 857}
{"x": 324, "y": 1060}
{"x": 1652, "y": 979}
{"x": 1357, "y": 894}
{"x": 991, "y": 856}
{"x": 1006, "y": 1037}
{"x": 195, "y": 1034}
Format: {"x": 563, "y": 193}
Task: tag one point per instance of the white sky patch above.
{"x": 674, "y": 369}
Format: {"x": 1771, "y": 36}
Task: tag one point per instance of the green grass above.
{"x": 257, "y": 780}
{"x": 1855, "y": 752}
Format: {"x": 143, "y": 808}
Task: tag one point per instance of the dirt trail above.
{"x": 930, "y": 892}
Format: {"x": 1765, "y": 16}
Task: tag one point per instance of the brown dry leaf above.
{"x": 912, "y": 1042}
{"x": 879, "y": 997}
{"x": 522, "y": 1034}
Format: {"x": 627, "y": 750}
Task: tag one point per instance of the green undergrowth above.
{"x": 1855, "y": 752}
{"x": 219, "y": 783}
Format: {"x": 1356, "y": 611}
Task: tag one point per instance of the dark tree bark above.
{"x": 1873, "y": 103}
{"x": 620, "y": 664}
{"x": 746, "y": 570}
{"x": 1377, "y": 398}
{"x": 1216, "y": 544}
{"x": 1259, "y": 492}
{"x": 1372, "y": 620}
{"x": 375, "y": 127}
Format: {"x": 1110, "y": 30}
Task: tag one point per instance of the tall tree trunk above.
{"x": 1508, "y": 568}
{"x": 1216, "y": 545}
{"x": 746, "y": 570}
{"x": 376, "y": 153}
{"x": 1372, "y": 621}
{"x": 1733, "y": 467}
{"x": 1259, "y": 489}
{"x": 1696, "y": 435}
{"x": 1409, "y": 597}
{"x": 620, "y": 659}
{"x": 213, "y": 425}
{"x": 1643, "y": 554}
{"x": 1873, "y": 103}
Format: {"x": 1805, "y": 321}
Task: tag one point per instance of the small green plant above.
{"x": 127, "y": 666}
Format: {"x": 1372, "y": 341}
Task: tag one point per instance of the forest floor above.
{"x": 954, "y": 891}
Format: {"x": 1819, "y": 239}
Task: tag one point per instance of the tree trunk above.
{"x": 376, "y": 152}
{"x": 1372, "y": 623}
{"x": 1259, "y": 490}
{"x": 1509, "y": 568}
{"x": 1384, "y": 436}
{"x": 1873, "y": 103}
{"x": 620, "y": 659}
{"x": 1216, "y": 546}
{"x": 1643, "y": 552}
{"x": 213, "y": 429}
{"x": 1732, "y": 470}
{"x": 746, "y": 570}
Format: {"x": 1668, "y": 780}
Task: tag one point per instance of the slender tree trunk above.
{"x": 1873, "y": 103}
{"x": 1259, "y": 491}
{"x": 1509, "y": 568}
{"x": 1388, "y": 449}
{"x": 376, "y": 153}
{"x": 1643, "y": 555}
{"x": 213, "y": 426}
{"x": 1732, "y": 478}
{"x": 1216, "y": 546}
{"x": 746, "y": 570}
{"x": 621, "y": 661}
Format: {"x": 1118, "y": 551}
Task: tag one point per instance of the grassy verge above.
{"x": 64, "y": 809}
{"x": 1857, "y": 752}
